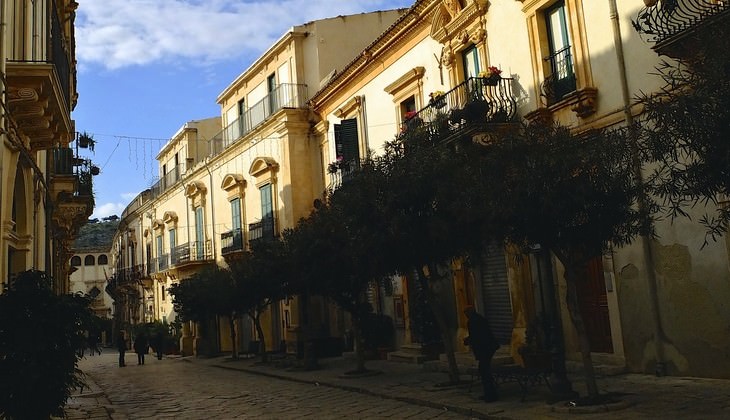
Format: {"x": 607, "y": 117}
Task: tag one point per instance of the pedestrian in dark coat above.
{"x": 159, "y": 344}
{"x": 484, "y": 345}
{"x": 141, "y": 347}
{"x": 121, "y": 347}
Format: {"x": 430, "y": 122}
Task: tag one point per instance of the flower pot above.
{"x": 650, "y": 3}
{"x": 438, "y": 102}
{"x": 94, "y": 170}
{"x": 492, "y": 80}
{"x": 476, "y": 111}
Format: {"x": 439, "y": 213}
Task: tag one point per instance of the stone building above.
{"x": 244, "y": 176}
{"x": 44, "y": 197}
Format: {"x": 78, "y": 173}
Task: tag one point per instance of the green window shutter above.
{"x": 346, "y": 141}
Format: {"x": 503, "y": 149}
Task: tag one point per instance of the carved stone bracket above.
{"x": 584, "y": 104}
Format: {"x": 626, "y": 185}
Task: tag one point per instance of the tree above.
{"x": 576, "y": 195}
{"x": 337, "y": 249}
{"x": 41, "y": 341}
{"x": 685, "y": 127}
{"x": 259, "y": 277}
{"x": 209, "y": 293}
{"x": 433, "y": 216}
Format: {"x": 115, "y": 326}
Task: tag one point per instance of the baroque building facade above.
{"x": 44, "y": 197}
{"x": 244, "y": 176}
{"x": 578, "y": 63}
{"x": 575, "y": 62}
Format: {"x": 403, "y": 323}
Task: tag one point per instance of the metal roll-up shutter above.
{"x": 495, "y": 292}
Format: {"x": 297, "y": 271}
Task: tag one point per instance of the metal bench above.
{"x": 526, "y": 378}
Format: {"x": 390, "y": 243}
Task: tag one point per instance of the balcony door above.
{"x": 199, "y": 233}
{"x": 562, "y": 78}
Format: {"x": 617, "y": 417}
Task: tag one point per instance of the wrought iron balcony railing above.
{"x": 561, "y": 80}
{"x": 191, "y": 252}
{"x": 39, "y": 46}
{"x": 474, "y": 103}
{"x": 668, "y": 18}
{"x": 286, "y": 95}
{"x": 168, "y": 180}
{"x": 262, "y": 230}
{"x": 232, "y": 241}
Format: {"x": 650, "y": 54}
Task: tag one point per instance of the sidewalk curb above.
{"x": 410, "y": 400}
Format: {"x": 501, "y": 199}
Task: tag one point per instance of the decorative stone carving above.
{"x": 585, "y": 102}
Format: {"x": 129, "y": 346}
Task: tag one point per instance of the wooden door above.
{"x": 593, "y": 302}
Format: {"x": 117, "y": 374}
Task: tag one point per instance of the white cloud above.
{"x": 121, "y": 33}
{"x": 108, "y": 209}
{"x": 129, "y": 196}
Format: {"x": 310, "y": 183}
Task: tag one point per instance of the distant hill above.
{"x": 96, "y": 235}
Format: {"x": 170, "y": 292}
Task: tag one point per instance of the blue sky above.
{"x": 145, "y": 68}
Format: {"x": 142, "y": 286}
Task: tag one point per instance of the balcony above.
{"x": 476, "y": 105}
{"x": 191, "y": 253}
{"x": 41, "y": 78}
{"x": 125, "y": 278}
{"x": 561, "y": 80}
{"x": 232, "y": 241}
{"x": 262, "y": 230}
{"x": 71, "y": 190}
{"x": 672, "y": 24}
{"x": 167, "y": 181}
{"x": 286, "y": 95}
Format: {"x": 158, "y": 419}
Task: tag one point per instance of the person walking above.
{"x": 483, "y": 344}
{"x": 141, "y": 347}
{"x": 159, "y": 344}
{"x": 121, "y": 347}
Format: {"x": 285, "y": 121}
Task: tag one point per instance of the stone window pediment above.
{"x": 261, "y": 165}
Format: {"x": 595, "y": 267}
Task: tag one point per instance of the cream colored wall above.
{"x": 382, "y": 115}
{"x": 87, "y": 276}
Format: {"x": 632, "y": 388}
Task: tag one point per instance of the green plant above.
{"x": 41, "y": 340}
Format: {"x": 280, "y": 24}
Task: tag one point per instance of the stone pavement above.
{"x": 640, "y": 396}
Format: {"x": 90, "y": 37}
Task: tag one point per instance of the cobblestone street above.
{"x": 172, "y": 388}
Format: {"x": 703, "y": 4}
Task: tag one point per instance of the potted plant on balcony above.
{"x": 492, "y": 76}
{"x": 86, "y": 140}
{"x": 476, "y": 110}
{"x": 437, "y": 99}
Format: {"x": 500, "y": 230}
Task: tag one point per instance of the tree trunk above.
{"x": 232, "y": 326}
{"x": 447, "y": 335}
{"x": 359, "y": 343}
{"x": 571, "y": 264}
{"x": 260, "y": 331}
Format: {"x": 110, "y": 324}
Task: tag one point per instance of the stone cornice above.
{"x": 419, "y": 14}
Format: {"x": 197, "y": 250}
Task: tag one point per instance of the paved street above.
{"x": 173, "y": 388}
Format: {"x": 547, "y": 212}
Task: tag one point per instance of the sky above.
{"x": 146, "y": 67}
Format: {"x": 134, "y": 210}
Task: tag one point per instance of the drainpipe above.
{"x": 212, "y": 209}
{"x": 3, "y": 255}
{"x": 659, "y": 353}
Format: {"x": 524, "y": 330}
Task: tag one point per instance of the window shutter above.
{"x": 346, "y": 141}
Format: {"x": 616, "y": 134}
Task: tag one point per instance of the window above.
{"x": 236, "y": 214}
{"x": 271, "y": 88}
{"x": 75, "y": 261}
{"x": 347, "y": 147}
{"x": 561, "y": 79}
{"x": 199, "y": 232}
{"x": 89, "y": 260}
{"x": 267, "y": 213}
{"x": 470, "y": 58}
{"x": 103, "y": 260}
{"x": 162, "y": 292}
{"x": 172, "y": 234}
{"x": 160, "y": 262}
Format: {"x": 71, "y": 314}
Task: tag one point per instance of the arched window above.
{"x": 103, "y": 260}
{"x": 75, "y": 261}
{"x": 89, "y": 260}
